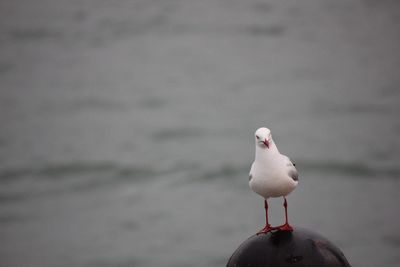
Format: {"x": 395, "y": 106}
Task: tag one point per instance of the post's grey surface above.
{"x": 299, "y": 248}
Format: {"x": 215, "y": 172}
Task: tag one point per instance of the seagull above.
{"x": 271, "y": 175}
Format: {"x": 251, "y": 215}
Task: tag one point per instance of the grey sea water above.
{"x": 127, "y": 127}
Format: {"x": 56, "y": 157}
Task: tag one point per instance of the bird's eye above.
{"x": 257, "y": 137}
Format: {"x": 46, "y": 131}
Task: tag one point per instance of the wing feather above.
{"x": 292, "y": 171}
{"x": 251, "y": 172}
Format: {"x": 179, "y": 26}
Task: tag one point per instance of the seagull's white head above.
{"x": 263, "y": 137}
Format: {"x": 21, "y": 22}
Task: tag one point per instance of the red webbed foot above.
{"x": 268, "y": 228}
{"x": 285, "y": 227}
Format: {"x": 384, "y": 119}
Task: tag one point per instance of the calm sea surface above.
{"x": 126, "y": 127}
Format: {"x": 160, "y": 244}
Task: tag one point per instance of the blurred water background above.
{"x": 127, "y": 127}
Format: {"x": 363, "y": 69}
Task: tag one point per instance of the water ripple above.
{"x": 354, "y": 169}
{"x": 19, "y": 184}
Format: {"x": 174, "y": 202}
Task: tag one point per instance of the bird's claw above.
{"x": 268, "y": 228}
{"x": 285, "y": 227}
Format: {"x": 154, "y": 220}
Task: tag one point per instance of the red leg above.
{"x": 267, "y": 227}
{"x": 286, "y": 226}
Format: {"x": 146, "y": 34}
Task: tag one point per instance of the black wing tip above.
{"x": 294, "y": 175}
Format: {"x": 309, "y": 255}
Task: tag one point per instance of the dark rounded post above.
{"x": 299, "y": 248}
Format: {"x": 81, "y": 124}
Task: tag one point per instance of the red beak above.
{"x": 266, "y": 143}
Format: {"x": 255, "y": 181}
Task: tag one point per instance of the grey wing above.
{"x": 250, "y": 173}
{"x": 292, "y": 171}
{"x": 293, "y": 174}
